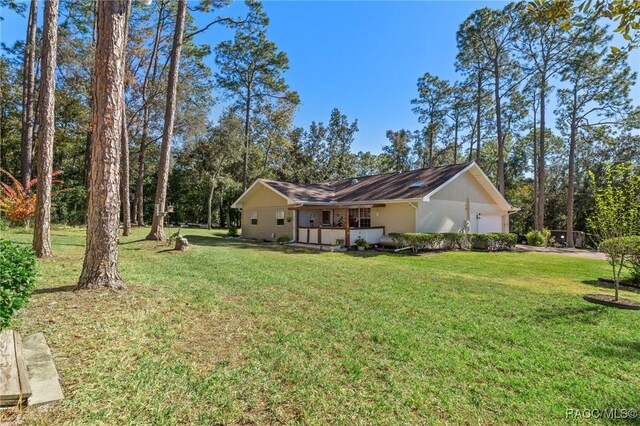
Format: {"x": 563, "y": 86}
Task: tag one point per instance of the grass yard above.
{"x": 238, "y": 333}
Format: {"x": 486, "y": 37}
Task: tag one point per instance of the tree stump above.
{"x": 181, "y": 243}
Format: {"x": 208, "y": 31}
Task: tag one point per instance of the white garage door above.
{"x": 490, "y": 224}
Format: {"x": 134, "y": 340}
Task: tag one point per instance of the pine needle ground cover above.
{"x": 230, "y": 332}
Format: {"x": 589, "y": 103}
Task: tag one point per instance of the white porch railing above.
{"x": 328, "y": 236}
{"x": 371, "y": 235}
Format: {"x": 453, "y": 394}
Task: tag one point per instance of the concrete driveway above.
{"x": 587, "y": 254}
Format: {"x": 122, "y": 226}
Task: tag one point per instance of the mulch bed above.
{"x": 608, "y": 300}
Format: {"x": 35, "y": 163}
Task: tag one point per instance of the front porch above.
{"x": 327, "y": 226}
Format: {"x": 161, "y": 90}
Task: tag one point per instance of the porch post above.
{"x": 296, "y": 226}
{"x": 346, "y": 230}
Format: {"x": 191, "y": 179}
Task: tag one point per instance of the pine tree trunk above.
{"x": 478, "y": 116}
{"x": 139, "y": 195}
{"x": 541, "y": 159}
{"x": 247, "y": 141}
{"x": 535, "y": 168}
{"x": 124, "y": 175}
{"x": 209, "y": 205}
{"x": 28, "y": 94}
{"x": 431, "y": 148}
{"x": 571, "y": 185}
{"x": 46, "y": 130}
{"x": 100, "y": 268}
{"x": 157, "y": 226}
{"x": 222, "y": 223}
{"x": 455, "y": 143}
{"x": 138, "y": 203}
{"x": 89, "y": 135}
{"x": 124, "y": 144}
{"x": 500, "y": 173}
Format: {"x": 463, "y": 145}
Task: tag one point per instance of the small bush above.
{"x": 4, "y": 224}
{"x": 232, "y": 230}
{"x": 284, "y": 239}
{"x": 621, "y": 252}
{"x": 17, "y": 279}
{"x": 361, "y": 242}
{"x": 536, "y": 239}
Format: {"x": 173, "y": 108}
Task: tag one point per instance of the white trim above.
{"x": 451, "y": 179}
{"x": 492, "y": 190}
{"x": 237, "y": 204}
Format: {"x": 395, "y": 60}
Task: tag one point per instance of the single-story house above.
{"x": 435, "y": 199}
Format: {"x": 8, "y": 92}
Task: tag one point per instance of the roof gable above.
{"x": 258, "y": 185}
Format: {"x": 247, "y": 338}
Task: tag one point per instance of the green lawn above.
{"x": 238, "y": 333}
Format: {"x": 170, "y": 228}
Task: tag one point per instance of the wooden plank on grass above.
{"x": 9, "y": 378}
{"x": 25, "y": 387}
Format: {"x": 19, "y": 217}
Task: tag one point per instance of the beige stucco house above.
{"x": 436, "y": 199}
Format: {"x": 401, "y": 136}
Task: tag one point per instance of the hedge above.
{"x": 17, "y": 279}
{"x": 453, "y": 241}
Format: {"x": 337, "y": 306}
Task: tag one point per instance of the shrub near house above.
{"x": 454, "y": 240}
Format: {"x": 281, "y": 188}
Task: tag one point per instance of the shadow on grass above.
{"x": 216, "y": 241}
{"x": 609, "y": 286}
{"x": 618, "y": 349}
{"x": 167, "y": 250}
{"x": 587, "y": 314}
{"x": 211, "y": 241}
{"x": 132, "y": 241}
{"x": 50, "y": 290}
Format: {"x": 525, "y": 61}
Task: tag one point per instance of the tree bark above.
{"x": 500, "y": 173}
{"x": 431, "y": 147}
{"x": 541, "y": 158}
{"x": 157, "y": 226}
{"x": 100, "y": 268}
{"x": 535, "y": 166}
{"x": 455, "y": 142}
{"x": 138, "y": 203}
{"x": 124, "y": 143}
{"x": 221, "y": 222}
{"x": 139, "y": 195}
{"x": 247, "y": 141}
{"x": 209, "y": 205}
{"x": 28, "y": 91}
{"x": 46, "y": 130}
{"x": 572, "y": 172}
{"x": 89, "y": 136}
{"x": 124, "y": 175}
{"x": 478, "y": 116}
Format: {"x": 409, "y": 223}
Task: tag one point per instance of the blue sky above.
{"x": 361, "y": 57}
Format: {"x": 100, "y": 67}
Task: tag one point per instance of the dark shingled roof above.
{"x": 388, "y": 186}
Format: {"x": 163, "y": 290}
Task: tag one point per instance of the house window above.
{"x": 365, "y": 218}
{"x": 279, "y": 217}
{"x": 254, "y": 218}
{"x": 326, "y": 217}
{"x": 354, "y": 218}
{"x": 360, "y": 218}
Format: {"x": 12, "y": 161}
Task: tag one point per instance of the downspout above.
{"x": 295, "y": 226}
{"x": 415, "y": 219}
